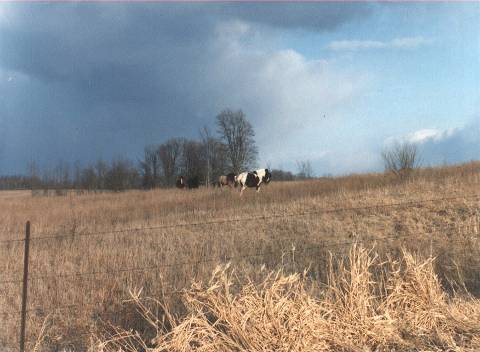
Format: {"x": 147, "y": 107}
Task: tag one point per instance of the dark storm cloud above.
{"x": 61, "y": 41}
{"x": 90, "y": 80}
{"x": 311, "y": 16}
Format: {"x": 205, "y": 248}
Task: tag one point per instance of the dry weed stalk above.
{"x": 424, "y": 311}
{"x": 352, "y": 313}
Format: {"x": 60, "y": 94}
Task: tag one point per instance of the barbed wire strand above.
{"x": 225, "y": 258}
{"x": 161, "y": 266}
{"x": 177, "y": 291}
{"x": 245, "y": 219}
{"x": 320, "y": 246}
{"x": 443, "y": 227}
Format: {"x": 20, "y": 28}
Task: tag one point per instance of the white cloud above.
{"x": 410, "y": 42}
{"x": 425, "y": 135}
{"x": 453, "y": 145}
{"x": 398, "y": 43}
{"x": 289, "y": 97}
{"x": 422, "y": 136}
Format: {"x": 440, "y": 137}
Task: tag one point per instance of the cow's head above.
{"x": 267, "y": 177}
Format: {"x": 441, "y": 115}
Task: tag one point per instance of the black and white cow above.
{"x": 253, "y": 179}
{"x": 180, "y": 182}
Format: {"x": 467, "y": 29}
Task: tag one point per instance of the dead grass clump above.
{"x": 352, "y": 300}
{"x": 416, "y": 300}
{"x": 403, "y": 309}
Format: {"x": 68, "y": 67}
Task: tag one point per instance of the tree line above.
{"x": 231, "y": 148}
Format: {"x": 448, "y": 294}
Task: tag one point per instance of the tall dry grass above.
{"x": 69, "y": 307}
{"x": 403, "y": 308}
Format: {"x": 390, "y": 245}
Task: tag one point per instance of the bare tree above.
{"x": 61, "y": 175}
{"x": 33, "y": 175}
{"x": 281, "y": 175}
{"x": 77, "y": 174}
{"x": 121, "y": 175}
{"x": 101, "y": 169}
{"x": 207, "y": 141}
{"x": 150, "y": 167}
{"x": 401, "y": 158}
{"x": 88, "y": 179}
{"x": 215, "y": 153}
{"x": 170, "y": 153}
{"x": 238, "y": 135}
{"x": 305, "y": 170}
{"x": 193, "y": 159}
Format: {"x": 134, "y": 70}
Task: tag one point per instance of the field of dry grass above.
{"x": 102, "y": 246}
{"x": 365, "y": 305}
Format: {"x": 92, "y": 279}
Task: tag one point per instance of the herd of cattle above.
{"x": 244, "y": 180}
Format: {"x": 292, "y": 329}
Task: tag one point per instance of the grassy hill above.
{"x": 365, "y": 241}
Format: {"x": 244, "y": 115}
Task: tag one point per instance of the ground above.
{"x": 90, "y": 251}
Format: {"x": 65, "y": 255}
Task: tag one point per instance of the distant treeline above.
{"x": 124, "y": 174}
{"x": 232, "y": 149}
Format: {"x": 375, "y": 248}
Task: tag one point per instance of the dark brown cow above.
{"x": 227, "y": 180}
{"x": 193, "y": 182}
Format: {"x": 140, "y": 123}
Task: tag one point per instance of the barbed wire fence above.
{"x": 28, "y": 241}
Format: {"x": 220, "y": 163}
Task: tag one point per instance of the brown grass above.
{"x": 404, "y": 309}
{"x": 447, "y": 229}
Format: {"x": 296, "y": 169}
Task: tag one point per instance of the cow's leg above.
{"x": 241, "y": 191}
{"x": 258, "y": 188}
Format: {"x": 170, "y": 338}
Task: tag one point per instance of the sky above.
{"x": 331, "y": 83}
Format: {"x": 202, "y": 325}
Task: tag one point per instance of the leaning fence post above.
{"x": 25, "y": 282}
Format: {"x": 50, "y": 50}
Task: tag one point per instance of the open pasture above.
{"x": 87, "y": 251}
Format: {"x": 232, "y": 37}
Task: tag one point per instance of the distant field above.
{"x": 4, "y": 195}
{"x": 91, "y": 249}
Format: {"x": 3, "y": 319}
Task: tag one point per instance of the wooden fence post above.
{"x": 25, "y": 283}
